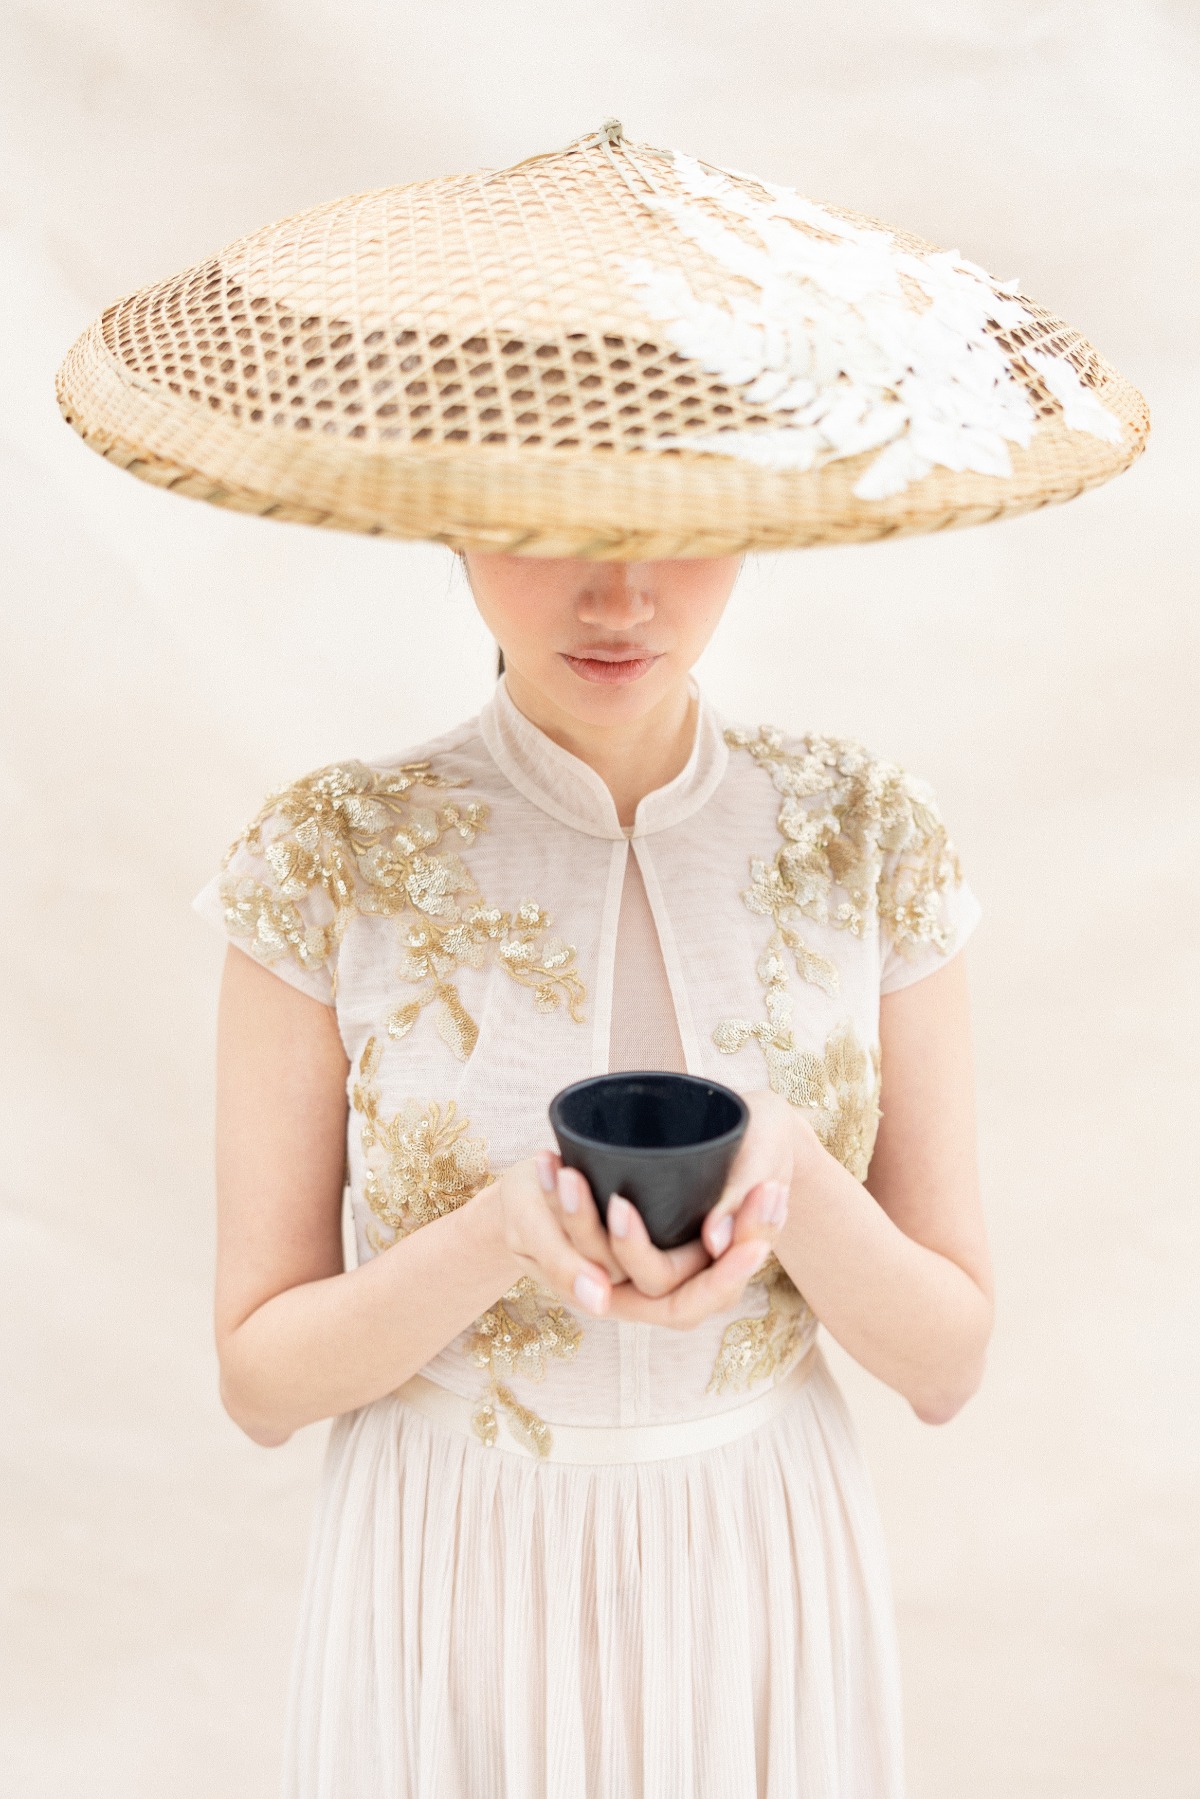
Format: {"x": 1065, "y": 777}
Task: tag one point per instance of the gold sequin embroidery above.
{"x": 862, "y": 826}
{"x": 515, "y": 1337}
{"x": 428, "y": 1166}
{"x": 855, "y": 823}
{"x": 356, "y": 842}
{"x": 421, "y": 1164}
{"x": 755, "y": 1349}
{"x": 839, "y": 1090}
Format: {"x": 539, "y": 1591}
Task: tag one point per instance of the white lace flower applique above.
{"x": 855, "y": 343}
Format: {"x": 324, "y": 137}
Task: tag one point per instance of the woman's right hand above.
{"x": 554, "y": 1233}
{"x": 563, "y": 1247}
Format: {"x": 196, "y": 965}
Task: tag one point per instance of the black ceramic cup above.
{"x": 665, "y": 1142}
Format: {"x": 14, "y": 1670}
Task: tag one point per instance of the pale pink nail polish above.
{"x": 568, "y": 1199}
{"x": 618, "y": 1216}
{"x": 721, "y": 1234}
{"x": 544, "y": 1163}
{"x": 776, "y": 1208}
{"x": 589, "y": 1293}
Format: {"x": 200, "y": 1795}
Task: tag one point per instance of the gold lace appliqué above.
{"x": 863, "y": 827}
{"x": 356, "y": 838}
{"x": 515, "y": 1337}
{"x": 839, "y": 1088}
{"x": 839, "y": 1091}
{"x": 421, "y": 1164}
{"x": 856, "y": 824}
{"x": 755, "y": 1349}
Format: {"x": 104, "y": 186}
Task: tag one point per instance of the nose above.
{"x": 617, "y": 596}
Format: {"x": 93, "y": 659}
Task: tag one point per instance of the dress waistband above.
{"x": 599, "y": 1445}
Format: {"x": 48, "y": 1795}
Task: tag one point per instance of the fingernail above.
{"x": 544, "y": 1163}
{"x": 568, "y": 1199}
{"x": 618, "y": 1216}
{"x": 761, "y": 1252}
{"x": 776, "y": 1208}
{"x": 720, "y": 1235}
{"x": 589, "y": 1293}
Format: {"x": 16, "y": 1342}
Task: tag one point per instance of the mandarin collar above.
{"x": 573, "y": 793}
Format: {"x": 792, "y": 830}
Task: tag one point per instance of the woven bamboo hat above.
{"x": 605, "y": 351}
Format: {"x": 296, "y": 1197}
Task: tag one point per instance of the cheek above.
{"x": 530, "y": 623}
{"x": 695, "y": 618}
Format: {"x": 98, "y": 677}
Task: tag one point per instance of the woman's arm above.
{"x": 298, "y": 1337}
{"x": 898, "y": 1271}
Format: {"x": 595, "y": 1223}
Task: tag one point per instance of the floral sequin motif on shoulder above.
{"x": 421, "y": 1164}
{"x": 356, "y": 840}
{"x": 860, "y": 838}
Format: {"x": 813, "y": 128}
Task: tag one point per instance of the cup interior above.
{"x": 649, "y": 1111}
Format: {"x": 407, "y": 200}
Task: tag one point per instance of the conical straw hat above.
{"x": 606, "y": 351}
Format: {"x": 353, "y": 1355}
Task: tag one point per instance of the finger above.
{"x": 547, "y": 1164}
{"x": 767, "y": 1201}
{"x": 764, "y": 1155}
{"x": 542, "y": 1241}
{"x": 762, "y": 1214}
{"x": 572, "y": 1198}
{"x": 581, "y": 1221}
{"x": 653, "y": 1271}
{"x": 717, "y": 1230}
{"x": 716, "y": 1288}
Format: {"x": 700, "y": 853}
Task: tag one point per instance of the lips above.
{"x": 609, "y": 668}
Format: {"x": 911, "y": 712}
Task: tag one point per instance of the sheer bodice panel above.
{"x": 644, "y": 1031}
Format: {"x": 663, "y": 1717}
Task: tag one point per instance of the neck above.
{"x": 632, "y": 758}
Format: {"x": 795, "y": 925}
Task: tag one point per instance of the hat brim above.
{"x": 655, "y": 503}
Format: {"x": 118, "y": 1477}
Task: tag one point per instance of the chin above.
{"x": 596, "y": 704}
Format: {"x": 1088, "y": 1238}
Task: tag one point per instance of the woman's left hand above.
{"x": 771, "y": 1148}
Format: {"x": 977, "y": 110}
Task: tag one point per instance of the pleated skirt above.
{"x": 476, "y": 1625}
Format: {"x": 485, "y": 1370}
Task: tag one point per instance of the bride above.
{"x": 594, "y": 1521}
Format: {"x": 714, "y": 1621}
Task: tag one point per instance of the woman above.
{"x": 499, "y": 1615}
{"x": 593, "y": 1524}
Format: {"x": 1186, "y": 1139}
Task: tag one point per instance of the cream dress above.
{"x": 575, "y": 1558}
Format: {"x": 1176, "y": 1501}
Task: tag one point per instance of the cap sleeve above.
{"x": 274, "y": 896}
{"x": 926, "y": 909}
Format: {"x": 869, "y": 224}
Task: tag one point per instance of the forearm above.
{"x": 330, "y": 1346}
{"x": 910, "y": 1316}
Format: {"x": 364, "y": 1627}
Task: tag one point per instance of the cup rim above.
{"x": 737, "y": 1130}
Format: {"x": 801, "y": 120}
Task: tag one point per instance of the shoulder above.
{"x": 350, "y": 837}
{"x": 868, "y": 794}
{"x": 341, "y": 807}
{"x": 857, "y": 822}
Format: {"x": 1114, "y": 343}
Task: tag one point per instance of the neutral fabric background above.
{"x": 165, "y": 664}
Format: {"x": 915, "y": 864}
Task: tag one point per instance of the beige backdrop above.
{"x": 165, "y": 664}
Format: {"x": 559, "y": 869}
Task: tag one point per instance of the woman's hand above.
{"x": 682, "y": 1287}
{"x": 777, "y": 1138}
{"x": 619, "y": 1271}
{"x": 553, "y": 1231}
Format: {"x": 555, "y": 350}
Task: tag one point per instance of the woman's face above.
{"x": 602, "y": 642}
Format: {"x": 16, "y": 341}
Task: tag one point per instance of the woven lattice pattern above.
{"x": 253, "y": 360}
{"x": 468, "y": 360}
